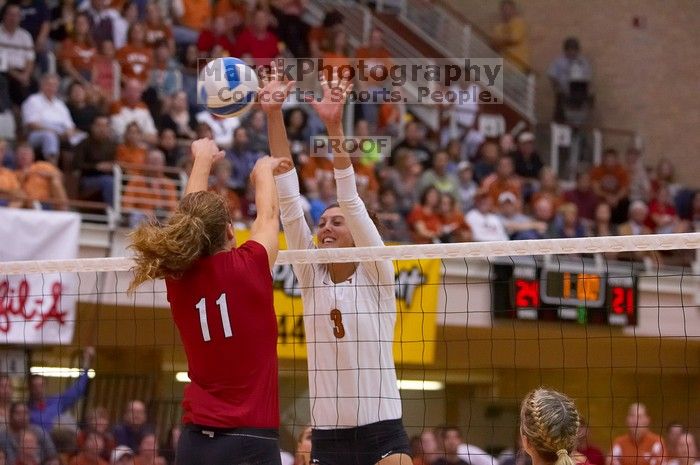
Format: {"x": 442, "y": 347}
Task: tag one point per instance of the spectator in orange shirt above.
{"x": 611, "y": 183}
{"x": 503, "y": 180}
{"x": 639, "y": 446}
{"x": 424, "y": 220}
{"x": 191, "y": 16}
{"x": 41, "y": 181}
{"x": 136, "y": 58}
{"x": 78, "y": 52}
{"x": 133, "y": 150}
{"x": 91, "y": 451}
{"x": 373, "y": 55}
{"x": 549, "y": 187}
{"x": 454, "y": 227}
{"x": 157, "y": 30}
{"x": 10, "y": 189}
{"x": 225, "y": 7}
{"x": 152, "y": 193}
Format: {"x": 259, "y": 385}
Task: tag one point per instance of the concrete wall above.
{"x": 645, "y": 78}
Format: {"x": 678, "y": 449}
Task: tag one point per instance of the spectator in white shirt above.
{"x": 47, "y": 119}
{"x": 518, "y": 225}
{"x": 222, "y": 128}
{"x": 16, "y": 57}
{"x": 132, "y": 109}
{"x": 485, "y": 225}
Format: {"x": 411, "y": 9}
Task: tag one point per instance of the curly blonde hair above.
{"x": 196, "y": 229}
{"x": 550, "y": 422}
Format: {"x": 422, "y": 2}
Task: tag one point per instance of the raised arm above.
{"x": 265, "y": 229}
{"x": 271, "y": 97}
{"x": 330, "y": 111}
{"x": 205, "y": 153}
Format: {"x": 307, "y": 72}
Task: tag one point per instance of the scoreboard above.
{"x": 582, "y": 291}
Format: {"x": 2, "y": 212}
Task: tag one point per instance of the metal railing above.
{"x": 443, "y": 32}
{"x": 457, "y": 39}
{"x": 571, "y": 148}
{"x": 125, "y": 191}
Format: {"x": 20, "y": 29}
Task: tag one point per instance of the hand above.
{"x": 88, "y": 355}
{"x": 275, "y": 91}
{"x": 207, "y": 150}
{"x": 335, "y": 94}
{"x": 541, "y": 227}
{"x": 267, "y": 163}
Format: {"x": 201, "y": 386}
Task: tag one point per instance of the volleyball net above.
{"x": 609, "y": 321}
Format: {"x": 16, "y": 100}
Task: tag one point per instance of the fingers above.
{"x": 323, "y": 80}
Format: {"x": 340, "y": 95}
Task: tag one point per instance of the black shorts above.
{"x": 201, "y": 445}
{"x": 362, "y": 445}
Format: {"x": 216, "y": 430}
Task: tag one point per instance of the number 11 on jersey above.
{"x": 204, "y": 324}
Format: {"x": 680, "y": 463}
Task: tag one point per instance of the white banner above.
{"x": 38, "y": 308}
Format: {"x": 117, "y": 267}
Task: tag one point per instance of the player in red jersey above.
{"x": 222, "y": 303}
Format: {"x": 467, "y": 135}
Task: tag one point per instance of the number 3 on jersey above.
{"x": 337, "y": 318}
{"x": 204, "y": 324}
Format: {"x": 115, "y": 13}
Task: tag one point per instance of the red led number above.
{"x": 622, "y": 301}
{"x": 527, "y": 294}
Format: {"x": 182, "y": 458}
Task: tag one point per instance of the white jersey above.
{"x": 350, "y": 325}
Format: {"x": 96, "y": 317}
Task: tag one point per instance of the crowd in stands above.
{"x": 125, "y": 94}
{"x": 43, "y": 431}
{"x": 639, "y": 445}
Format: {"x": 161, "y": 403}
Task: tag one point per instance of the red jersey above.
{"x": 223, "y": 309}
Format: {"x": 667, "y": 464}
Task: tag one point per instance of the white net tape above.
{"x": 404, "y": 252}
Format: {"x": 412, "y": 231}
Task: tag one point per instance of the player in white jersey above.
{"x": 349, "y": 308}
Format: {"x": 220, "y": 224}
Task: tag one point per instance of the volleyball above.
{"x": 227, "y": 87}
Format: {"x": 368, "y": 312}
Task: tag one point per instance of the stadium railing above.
{"x": 125, "y": 192}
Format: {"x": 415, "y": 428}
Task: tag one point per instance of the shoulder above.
{"x": 252, "y": 250}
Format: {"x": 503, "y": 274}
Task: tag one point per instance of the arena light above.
{"x": 419, "y": 385}
{"x": 182, "y": 377}
{"x": 60, "y": 372}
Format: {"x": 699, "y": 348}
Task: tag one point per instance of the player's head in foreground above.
{"x": 199, "y": 227}
{"x": 549, "y": 425}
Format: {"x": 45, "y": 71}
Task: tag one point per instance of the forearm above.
{"x": 266, "y": 200}
{"x": 296, "y": 229}
{"x": 199, "y": 179}
{"x": 361, "y": 226}
{"x": 341, "y": 159}
{"x": 277, "y": 135}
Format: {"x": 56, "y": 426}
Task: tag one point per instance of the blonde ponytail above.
{"x": 564, "y": 458}
{"x": 196, "y": 229}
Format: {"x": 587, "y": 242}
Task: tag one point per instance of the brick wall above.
{"x": 645, "y": 79}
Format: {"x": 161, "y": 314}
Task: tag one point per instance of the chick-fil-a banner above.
{"x": 37, "y": 309}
